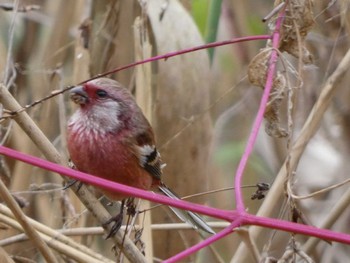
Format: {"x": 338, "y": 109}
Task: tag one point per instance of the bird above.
{"x": 108, "y": 136}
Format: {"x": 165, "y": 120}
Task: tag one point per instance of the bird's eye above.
{"x": 101, "y": 93}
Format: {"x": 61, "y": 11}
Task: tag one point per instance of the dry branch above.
{"x": 61, "y": 247}
{"x": 73, "y": 246}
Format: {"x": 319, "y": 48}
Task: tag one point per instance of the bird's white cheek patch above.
{"x": 99, "y": 119}
{"x": 148, "y": 154}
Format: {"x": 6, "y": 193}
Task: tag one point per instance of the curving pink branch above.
{"x": 113, "y": 186}
{"x": 237, "y": 217}
{"x": 259, "y": 118}
{"x": 181, "y": 52}
{"x": 226, "y": 231}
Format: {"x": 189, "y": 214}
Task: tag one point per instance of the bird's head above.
{"x": 104, "y": 102}
{"x": 102, "y": 92}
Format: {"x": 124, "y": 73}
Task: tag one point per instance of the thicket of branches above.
{"x": 201, "y": 105}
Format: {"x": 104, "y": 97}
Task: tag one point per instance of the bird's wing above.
{"x": 147, "y": 154}
{"x": 149, "y": 158}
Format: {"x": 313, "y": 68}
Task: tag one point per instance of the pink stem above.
{"x": 181, "y": 52}
{"x": 237, "y": 219}
{"x": 258, "y": 120}
{"x": 204, "y": 243}
{"x": 113, "y": 186}
{"x": 296, "y": 228}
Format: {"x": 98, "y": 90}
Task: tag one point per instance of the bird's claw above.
{"x": 117, "y": 220}
{"x": 72, "y": 182}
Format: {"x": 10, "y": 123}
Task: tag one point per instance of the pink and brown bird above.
{"x": 109, "y": 137}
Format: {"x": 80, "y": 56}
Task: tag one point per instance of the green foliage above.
{"x": 200, "y": 13}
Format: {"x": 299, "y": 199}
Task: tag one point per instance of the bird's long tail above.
{"x": 187, "y": 216}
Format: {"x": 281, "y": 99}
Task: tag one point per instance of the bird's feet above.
{"x": 130, "y": 207}
{"x": 117, "y": 220}
{"x": 72, "y": 182}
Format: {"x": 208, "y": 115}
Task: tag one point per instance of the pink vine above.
{"x": 237, "y": 217}
{"x": 259, "y": 118}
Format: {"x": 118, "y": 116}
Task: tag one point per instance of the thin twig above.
{"x": 97, "y": 230}
{"x": 319, "y": 192}
{"x": 13, "y": 113}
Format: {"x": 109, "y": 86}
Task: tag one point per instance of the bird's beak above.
{"x": 79, "y": 96}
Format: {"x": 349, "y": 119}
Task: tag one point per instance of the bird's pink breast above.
{"x": 106, "y": 156}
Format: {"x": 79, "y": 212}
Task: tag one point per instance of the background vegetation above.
{"x": 201, "y": 106}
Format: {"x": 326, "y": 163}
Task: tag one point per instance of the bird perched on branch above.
{"x": 109, "y": 137}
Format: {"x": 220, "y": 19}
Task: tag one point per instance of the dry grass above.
{"x": 201, "y": 113}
